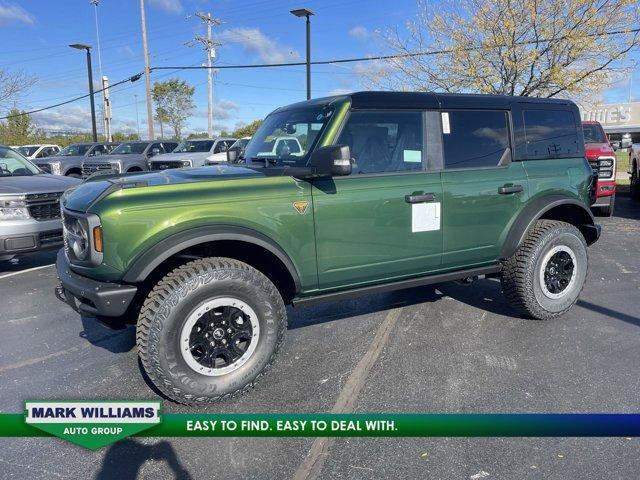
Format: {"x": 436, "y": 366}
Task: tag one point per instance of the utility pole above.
{"x": 147, "y": 71}
{"x": 106, "y": 108}
{"x": 209, "y": 47}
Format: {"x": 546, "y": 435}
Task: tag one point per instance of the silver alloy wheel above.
{"x": 548, "y": 266}
{"x": 218, "y": 334}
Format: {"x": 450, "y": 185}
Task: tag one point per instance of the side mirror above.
{"x": 233, "y": 154}
{"x": 97, "y": 152}
{"x": 155, "y": 151}
{"x": 331, "y": 161}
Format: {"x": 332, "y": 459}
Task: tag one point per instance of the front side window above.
{"x": 189, "y": 146}
{"x": 550, "y": 134}
{"x": 129, "y": 148}
{"x": 384, "y": 141}
{"x": 75, "y": 149}
{"x": 286, "y": 137}
{"x": 474, "y": 138}
{"x": 14, "y": 165}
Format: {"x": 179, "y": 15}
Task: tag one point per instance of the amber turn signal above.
{"x": 97, "y": 239}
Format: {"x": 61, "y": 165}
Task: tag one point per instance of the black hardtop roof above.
{"x": 408, "y": 100}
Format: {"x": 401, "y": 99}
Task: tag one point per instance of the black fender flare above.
{"x": 166, "y": 248}
{"x": 530, "y": 214}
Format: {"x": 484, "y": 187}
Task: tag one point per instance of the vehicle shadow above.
{"x": 625, "y": 207}
{"x": 115, "y": 341}
{"x": 24, "y": 262}
{"x": 125, "y": 458}
{"x": 485, "y": 294}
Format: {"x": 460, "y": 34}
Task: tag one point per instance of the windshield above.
{"x": 127, "y": 148}
{"x": 27, "y": 151}
{"x": 75, "y": 149}
{"x": 287, "y": 137}
{"x": 194, "y": 146}
{"x": 593, "y": 133}
{"x": 240, "y": 143}
{"x": 12, "y": 164}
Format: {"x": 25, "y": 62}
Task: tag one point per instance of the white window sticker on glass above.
{"x": 412, "y": 156}
{"x": 425, "y": 217}
{"x": 446, "y": 128}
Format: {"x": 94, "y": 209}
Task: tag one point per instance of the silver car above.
{"x": 29, "y": 206}
{"x": 69, "y": 161}
{"x": 127, "y": 157}
{"x": 192, "y": 153}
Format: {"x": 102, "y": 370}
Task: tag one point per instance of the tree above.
{"x": 247, "y": 130}
{"x": 17, "y": 129}
{"x": 174, "y": 103}
{"x": 542, "y": 48}
{"x": 12, "y": 84}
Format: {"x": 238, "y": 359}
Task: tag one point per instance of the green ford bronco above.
{"x": 383, "y": 191}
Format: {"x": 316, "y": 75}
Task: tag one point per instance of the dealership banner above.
{"x": 94, "y": 424}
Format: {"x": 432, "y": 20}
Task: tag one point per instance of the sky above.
{"x": 36, "y": 35}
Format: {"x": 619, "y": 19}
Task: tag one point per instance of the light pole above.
{"x": 81, "y": 46}
{"x": 303, "y": 12}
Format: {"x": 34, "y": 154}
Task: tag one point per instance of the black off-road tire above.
{"x": 520, "y": 277}
{"x": 176, "y": 297}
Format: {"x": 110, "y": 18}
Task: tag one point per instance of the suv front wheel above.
{"x": 209, "y": 329}
{"x": 545, "y": 276}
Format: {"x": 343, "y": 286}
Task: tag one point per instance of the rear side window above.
{"x": 475, "y": 138}
{"x": 550, "y": 134}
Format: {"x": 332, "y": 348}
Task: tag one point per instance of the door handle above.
{"x": 507, "y": 189}
{"x": 422, "y": 198}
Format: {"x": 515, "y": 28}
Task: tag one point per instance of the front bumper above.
{"x": 91, "y": 297}
{"x": 603, "y": 201}
{"x": 26, "y": 236}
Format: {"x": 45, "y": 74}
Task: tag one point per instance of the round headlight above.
{"x": 186, "y": 163}
{"x": 78, "y": 239}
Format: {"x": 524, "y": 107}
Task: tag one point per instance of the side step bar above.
{"x": 400, "y": 285}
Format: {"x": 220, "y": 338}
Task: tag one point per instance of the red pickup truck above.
{"x": 602, "y": 159}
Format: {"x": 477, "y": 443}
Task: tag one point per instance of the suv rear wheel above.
{"x": 635, "y": 184}
{"x": 209, "y": 329}
{"x": 545, "y": 276}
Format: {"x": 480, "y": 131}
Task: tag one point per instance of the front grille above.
{"x": 91, "y": 168}
{"x": 164, "y": 165}
{"x": 46, "y": 167}
{"x": 50, "y": 238}
{"x": 600, "y": 170}
{"x": 44, "y": 206}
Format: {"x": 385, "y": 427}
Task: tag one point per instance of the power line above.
{"x": 132, "y": 78}
{"x": 325, "y": 62}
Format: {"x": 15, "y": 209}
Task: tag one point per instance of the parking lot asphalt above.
{"x": 442, "y": 348}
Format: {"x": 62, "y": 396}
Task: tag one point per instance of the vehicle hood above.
{"x": 86, "y": 194}
{"x": 131, "y": 157}
{"x": 598, "y": 149}
{"x": 63, "y": 159}
{"x": 44, "y": 183}
{"x": 172, "y": 157}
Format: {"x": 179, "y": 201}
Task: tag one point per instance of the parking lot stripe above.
{"x": 311, "y": 468}
{"x": 25, "y": 271}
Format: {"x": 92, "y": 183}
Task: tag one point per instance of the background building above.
{"x": 621, "y": 121}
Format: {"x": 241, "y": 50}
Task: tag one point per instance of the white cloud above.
{"x": 73, "y": 118}
{"x": 222, "y": 110}
{"x": 14, "y": 13}
{"x": 340, "y": 91}
{"x": 360, "y": 33}
{"x": 126, "y": 51}
{"x": 172, "y": 6}
{"x": 254, "y": 42}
